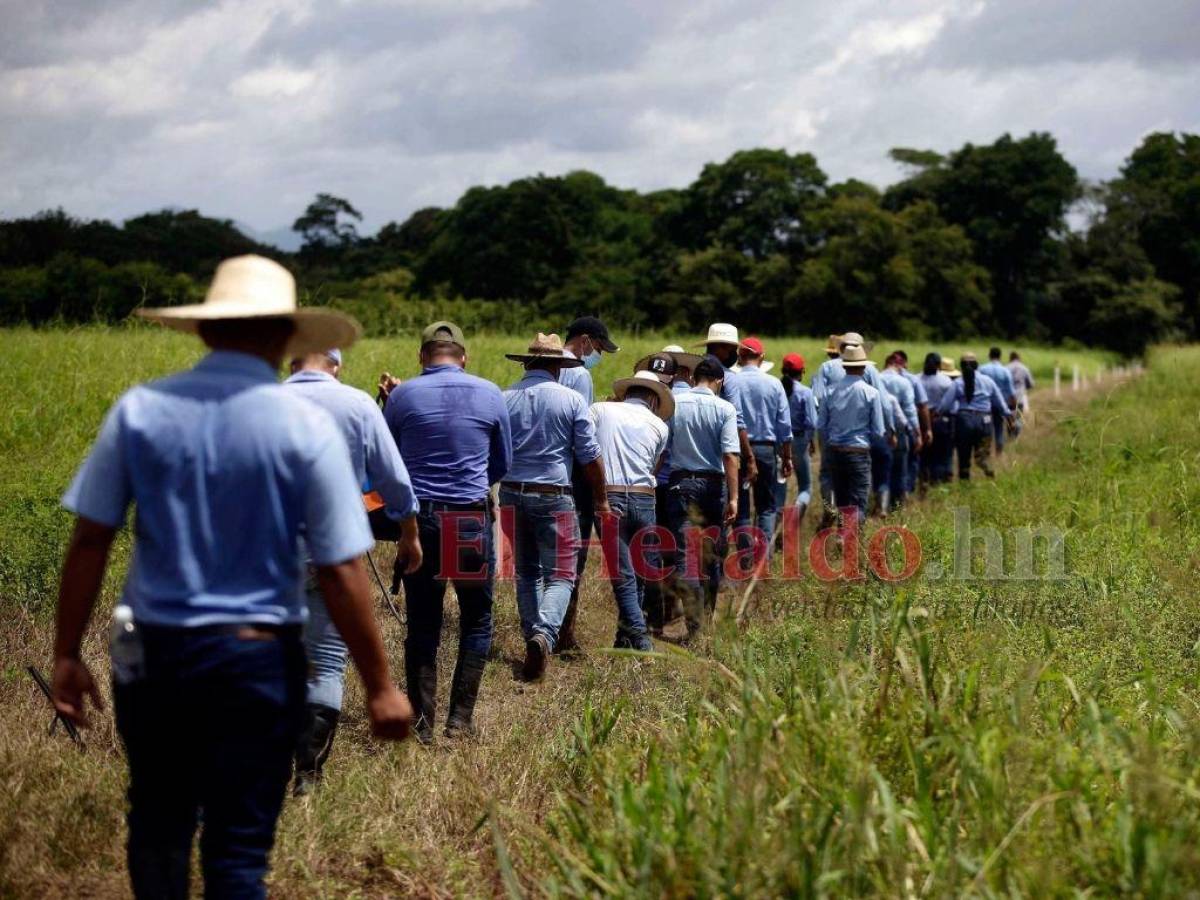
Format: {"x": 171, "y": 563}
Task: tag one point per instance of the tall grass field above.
{"x": 1020, "y": 724}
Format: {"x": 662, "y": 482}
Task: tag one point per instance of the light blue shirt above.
{"x": 664, "y": 470}
{"x": 935, "y": 386}
{"x": 227, "y": 468}
{"x": 550, "y": 425}
{"x": 851, "y": 414}
{"x": 766, "y": 406}
{"x": 986, "y": 399}
{"x": 578, "y": 379}
{"x": 453, "y": 433}
{"x": 731, "y": 391}
{"x": 373, "y": 454}
{"x": 921, "y": 398}
{"x": 632, "y": 440}
{"x": 895, "y": 383}
{"x": 999, "y": 373}
{"x": 803, "y": 410}
{"x": 703, "y": 429}
{"x": 832, "y": 371}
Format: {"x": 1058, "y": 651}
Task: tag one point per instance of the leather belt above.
{"x": 706, "y": 476}
{"x": 763, "y": 443}
{"x": 533, "y": 487}
{"x": 451, "y": 506}
{"x": 855, "y": 450}
{"x": 629, "y": 489}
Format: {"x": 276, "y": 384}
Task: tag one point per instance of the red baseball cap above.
{"x": 754, "y": 345}
{"x": 793, "y": 361}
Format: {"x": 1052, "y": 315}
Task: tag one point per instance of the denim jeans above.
{"x": 472, "y": 570}
{"x": 825, "y": 474}
{"x": 661, "y": 598}
{"x": 999, "y": 438}
{"x": 914, "y": 468}
{"x": 633, "y": 512}
{"x": 898, "y": 477}
{"x": 763, "y": 492}
{"x": 851, "y": 480}
{"x": 585, "y": 513}
{"x": 326, "y": 651}
{"x": 210, "y": 728}
{"x": 545, "y": 545}
{"x": 803, "y": 471}
{"x": 698, "y": 504}
{"x": 972, "y": 438}
{"x": 881, "y": 467}
{"x": 937, "y": 460}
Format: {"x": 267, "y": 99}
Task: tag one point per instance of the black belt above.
{"x": 236, "y": 629}
{"x": 763, "y": 443}
{"x": 448, "y": 506}
{"x": 533, "y": 487}
{"x": 856, "y": 450}
{"x": 707, "y": 476}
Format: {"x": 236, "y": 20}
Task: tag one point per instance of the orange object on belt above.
{"x": 372, "y": 501}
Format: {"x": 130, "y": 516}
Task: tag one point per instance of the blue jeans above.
{"x": 898, "y": 477}
{"x": 972, "y": 434}
{"x": 210, "y": 728}
{"x": 914, "y": 469}
{"x": 937, "y": 460}
{"x": 661, "y": 602}
{"x": 472, "y": 569}
{"x": 763, "y": 491}
{"x": 634, "y": 513}
{"x": 326, "y": 651}
{"x": 881, "y": 467}
{"x": 825, "y": 475}
{"x": 698, "y": 503}
{"x": 851, "y": 473}
{"x": 545, "y": 544}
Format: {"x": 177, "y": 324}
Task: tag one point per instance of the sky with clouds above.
{"x": 247, "y": 109}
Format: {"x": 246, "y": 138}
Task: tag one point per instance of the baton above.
{"x": 72, "y": 731}
{"x": 386, "y": 596}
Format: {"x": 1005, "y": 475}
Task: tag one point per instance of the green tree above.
{"x": 327, "y": 225}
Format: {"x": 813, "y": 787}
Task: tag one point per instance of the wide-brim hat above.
{"x": 853, "y": 337}
{"x": 682, "y": 358}
{"x": 721, "y": 333}
{"x": 947, "y": 367}
{"x": 834, "y": 344}
{"x": 648, "y": 380}
{"x": 549, "y": 347}
{"x": 254, "y": 287}
{"x": 854, "y": 356}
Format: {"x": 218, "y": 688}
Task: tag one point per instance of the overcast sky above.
{"x": 246, "y": 109}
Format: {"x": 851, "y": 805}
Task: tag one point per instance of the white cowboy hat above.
{"x": 854, "y": 356}
{"x": 649, "y": 381}
{"x": 721, "y": 333}
{"x": 254, "y": 287}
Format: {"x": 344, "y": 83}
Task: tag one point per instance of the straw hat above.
{"x": 682, "y": 358}
{"x": 834, "y": 344}
{"x": 254, "y": 287}
{"x": 853, "y": 337}
{"x": 947, "y": 368}
{"x": 648, "y": 380}
{"x": 546, "y": 346}
{"x": 968, "y": 357}
{"x": 854, "y": 356}
{"x": 721, "y": 333}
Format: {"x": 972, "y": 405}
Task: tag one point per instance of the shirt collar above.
{"x": 443, "y": 367}
{"x": 309, "y": 375}
{"x": 567, "y": 352}
{"x": 703, "y": 390}
{"x": 745, "y": 369}
{"x": 230, "y": 362}
{"x": 538, "y": 375}
{"x": 638, "y": 401}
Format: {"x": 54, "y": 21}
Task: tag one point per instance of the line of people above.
{"x": 247, "y": 593}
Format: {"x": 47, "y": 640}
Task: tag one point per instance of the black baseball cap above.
{"x": 663, "y": 365}
{"x": 709, "y": 368}
{"x": 593, "y": 328}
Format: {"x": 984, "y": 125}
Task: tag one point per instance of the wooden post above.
{"x": 1057, "y": 380}
{"x": 1075, "y": 377}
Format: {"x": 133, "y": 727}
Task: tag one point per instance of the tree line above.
{"x": 973, "y": 242}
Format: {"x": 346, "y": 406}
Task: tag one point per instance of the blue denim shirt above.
{"x": 550, "y": 425}
{"x": 766, "y": 411}
{"x": 832, "y": 371}
{"x": 703, "y": 430}
{"x": 851, "y": 414}
{"x": 377, "y": 463}
{"x": 894, "y": 382}
{"x": 453, "y": 433}
{"x": 986, "y": 399}
{"x": 227, "y": 468}
{"x": 999, "y": 373}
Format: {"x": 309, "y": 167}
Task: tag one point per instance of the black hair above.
{"x": 708, "y": 369}
{"x": 789, "y": 383}
{"x": 968, "y": 367}
{"x": 933, "y": 362}
{"x": 994, "y": 353}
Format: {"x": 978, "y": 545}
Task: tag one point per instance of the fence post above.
{"x": 1075, "y": 377}
{"x": 1057, "y": 380}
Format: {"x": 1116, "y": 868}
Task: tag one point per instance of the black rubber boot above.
{"x": 421, "y": 681}
{"x": 316, "y": 740}
{"x": 464, "y": 691}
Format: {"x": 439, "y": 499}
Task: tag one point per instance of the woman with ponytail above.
{"x": 973, "y": 400}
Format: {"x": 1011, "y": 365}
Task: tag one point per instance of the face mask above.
{"x": 591, "y": 360}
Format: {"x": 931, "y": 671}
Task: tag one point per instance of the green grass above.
{"x": 936, "y": 738}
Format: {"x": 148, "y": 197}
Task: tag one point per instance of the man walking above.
{"x": 849, "y": 417}
{"x": 998, "y": 372}
{"x": 1022, "y": 384}
{"x": 702, "y": 501}
{"x": 551, "y": 431}
{"x": 937, "y": 457}
{"x": 907, "y": 431}
{"x": 377, "y": 465}
{"x": 227, "y": 470}
{"x": 803, "y": 411}
{"x": 587, "y": 339}
{"x": 453, "y": 431}
{"x": 722, "y": 342}
{"x": 632, "y": 434}
{"x": 769, "y": 432}
{"x": 924, "y": 414}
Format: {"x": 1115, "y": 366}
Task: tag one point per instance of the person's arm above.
{"x": 598, "y": 481}
{"x": 347, "y": 596}
{"x": 731, "y": 486}
{"x": 83, "y": 574}
{"x": 949, "y": 396}
{"x": 926, "y": 421}
{"x": 747, "y": 454}
{"x": 783, "y": 432}
{"x": 878, "y": 425}
{"x": 500, "y": 457}
{"x": 587, "y": 452}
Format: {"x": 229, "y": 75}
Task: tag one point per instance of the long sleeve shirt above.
{"x": 373, "y": 452}
{"x": 894, "y": 382}
{"x": 227, "y": 469}
{"x": 768, "y": 418}
{"x": 453, "y": 433}
{"x": 832, "y": 371}
{"x": 935, "y": 386}
{"x": 550, "y": 427}
{"x": 703, "y": 430}
{"x": 1022, "y": 378}
{"x": 804, "y": 413}
{"x": 987, "y": 398}
{"x": 919, "y": 394}
{"x": 731, "y": 390}
{"x": 851, "y": 414}
{"x": 996, "y": 371}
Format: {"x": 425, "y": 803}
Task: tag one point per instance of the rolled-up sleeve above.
{"x": 501, "y": 452}
{"x": 335, "y": 519}
{"x": 587, "y": 448}
{"x": 102, "y": 489}
{"x": 386, "y": 471}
